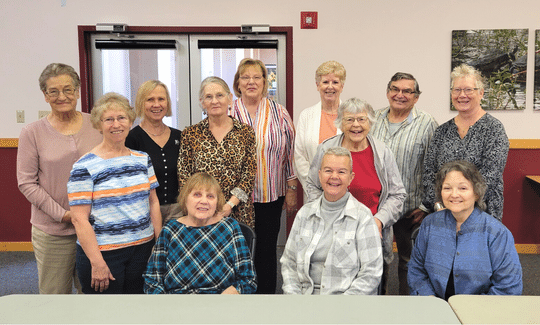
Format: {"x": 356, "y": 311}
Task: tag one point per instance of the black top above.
{"x": 164, "y": 160}
{"x": 450, "y": 289}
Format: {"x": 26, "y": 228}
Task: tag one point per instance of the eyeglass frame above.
{"x": 110, "y": 120}
{"x": 218, "y": 97}
{"x": 254, "y": 78}
{"x": 351, "y": 120}
{"x": 407, "y": 91}
{"x": 62, "y": 91}
{"x": 466, "y": 91}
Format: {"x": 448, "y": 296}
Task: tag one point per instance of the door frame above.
{"x": 85, "y": 60}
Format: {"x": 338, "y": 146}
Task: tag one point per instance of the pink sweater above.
{"x": 44, "y": 159}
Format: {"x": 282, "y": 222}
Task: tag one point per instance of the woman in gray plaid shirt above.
{"x": 334, "y": 246}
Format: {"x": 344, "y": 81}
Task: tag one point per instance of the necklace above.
{"x": 164, "y": 127}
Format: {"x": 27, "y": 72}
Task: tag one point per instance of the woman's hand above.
{"x": 230, "y": 291}
{"x": 290, "y": 197}
{"x": 67, "y": 217}
{"x": 379, "y": 225}
{"x": 417, "y": 216}
{"x": 291, "y": 201}
{"x": 101, "y": 275}
{"x": 225, "y": 211}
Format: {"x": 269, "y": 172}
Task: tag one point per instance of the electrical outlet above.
{"x": 42, "y": 114}
{"x": 20, "y": 116}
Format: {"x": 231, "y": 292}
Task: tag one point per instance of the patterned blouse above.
{"x": 232, "y": 162}
{"x": 117, "y": 189}
{"x": 274, "y": 132}
{"x": 485, "y": 145}
{"x": 196, "y": 260}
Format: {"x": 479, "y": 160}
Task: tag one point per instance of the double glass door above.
{"x": 121, "y": 63}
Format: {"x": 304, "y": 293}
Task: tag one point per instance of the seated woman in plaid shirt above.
{"x": 334, "y": 246}
{"x": 199, "y": 251}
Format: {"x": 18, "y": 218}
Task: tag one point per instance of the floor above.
{"x": 18, "y": 274}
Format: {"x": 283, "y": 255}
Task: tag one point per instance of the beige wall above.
{"x": 372, "y": 38}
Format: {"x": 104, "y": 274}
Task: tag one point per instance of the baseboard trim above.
{"x": 520, "y": 248}
{"x": 27, "y": 247}
{"x": 528, "y": 248}
{"x": 16, "y": 247}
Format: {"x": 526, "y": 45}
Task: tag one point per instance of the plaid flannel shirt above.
{"x": 354, "y": 263}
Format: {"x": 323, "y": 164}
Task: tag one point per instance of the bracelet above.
{"x": 292, "y": 187}
{"x": 438, "y": 206}
{"x": 231, "y": 204}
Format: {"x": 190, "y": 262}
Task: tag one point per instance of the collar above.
{"x": 413, "y": 114}
{"x": 236, "y": 123}
{"x": 350, "y": 210}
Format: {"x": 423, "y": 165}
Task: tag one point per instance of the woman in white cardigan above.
{"x": 316, "y": 123}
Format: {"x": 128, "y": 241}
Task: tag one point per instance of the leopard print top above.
{"x": 232, "y": 162}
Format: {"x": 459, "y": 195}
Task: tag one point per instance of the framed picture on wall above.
{"x": 501, "y": 56}
{"x": 272, "y": 80}
{"x": 536, "y": 105}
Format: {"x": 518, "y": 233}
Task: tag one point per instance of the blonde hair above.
{"x": 144, "y": 90}
{"x": 106, "y": 102}
{"x": 331, "y": 67}
{"x": 464, "y": 71}
{"x": 196, "y": 182}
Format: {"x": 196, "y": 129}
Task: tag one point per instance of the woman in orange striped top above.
{"x": 116, "y": 214}
{"x": 275, "y": 181}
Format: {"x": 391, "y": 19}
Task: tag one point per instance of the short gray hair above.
{"x": 212, "y": 80}
{"x": 339, "y": 152}
{"x": 465, "y": 70}
{"x": 354, "y": 106}
{"x": 55, "y": 70}
{"x": 105, "y": 102}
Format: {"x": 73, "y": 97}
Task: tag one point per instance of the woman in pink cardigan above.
{"x": 47, "y": 150}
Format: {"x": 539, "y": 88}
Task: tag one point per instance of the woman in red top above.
{"x": 377, "y": 181}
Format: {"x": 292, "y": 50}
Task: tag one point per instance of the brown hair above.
{"x": 470, "y": 172}
{"x": 242, "y": 67}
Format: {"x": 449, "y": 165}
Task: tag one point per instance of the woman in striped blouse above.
{"x": 275, "y": 181}
{"x": 116, "y": 213}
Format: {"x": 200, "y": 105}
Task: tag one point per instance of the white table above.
{"x": 483, "y": 309}
{"x": 213, "y": 309}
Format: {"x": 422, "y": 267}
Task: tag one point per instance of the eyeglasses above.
{"x": 350, "y": 120}
{"x": 406, "y": 91}
{"x": 110, "y": 120}
{"x": 210, "y": 98}
{"x": 255, "y": 78}
{"x": 467, "y": 91}
{"x": 53, "y": 93}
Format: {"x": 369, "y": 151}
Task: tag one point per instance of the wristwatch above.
{"x": 292, "y": 187}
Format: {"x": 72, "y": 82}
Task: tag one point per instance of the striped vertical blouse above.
{"x": 274, "y": 132}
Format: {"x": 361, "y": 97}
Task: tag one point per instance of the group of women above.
{"x": 121, "y": 221}
{"x": 124, "y": 185}
{"x": 463, "y": 167}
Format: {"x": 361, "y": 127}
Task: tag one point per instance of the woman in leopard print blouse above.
{"x": 222, "y": 147}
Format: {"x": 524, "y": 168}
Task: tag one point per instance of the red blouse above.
{"x": 365, "y": 186}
